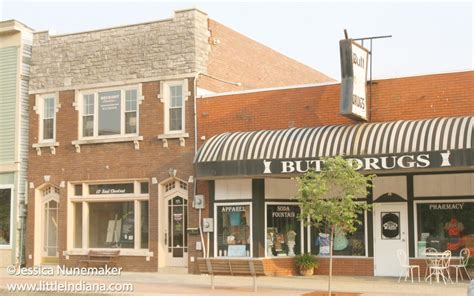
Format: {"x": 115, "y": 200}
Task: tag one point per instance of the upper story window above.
{"x": 109, "y": 113}
{"x": 174, "y": 97}
{"x": 47, "y": 114}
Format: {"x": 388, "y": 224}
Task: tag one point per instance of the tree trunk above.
{"x": 331, "y": 240}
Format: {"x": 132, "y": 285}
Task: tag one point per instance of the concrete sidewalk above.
{"x": 175, "y": 281}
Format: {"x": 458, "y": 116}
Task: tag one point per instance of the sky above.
{"x": 427, "y": 36}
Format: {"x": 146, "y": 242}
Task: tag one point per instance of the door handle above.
{"x": 166, "y": 237}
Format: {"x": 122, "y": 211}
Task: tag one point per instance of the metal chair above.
{"x": 428, "y": 261}
{"x": 464, "y": 254}
{"x": 440, "y": 266}
{"x": 407, "y": 268}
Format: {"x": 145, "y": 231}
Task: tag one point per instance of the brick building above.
{"x": 419, "y": 142}
{"x": 112, "y": 133}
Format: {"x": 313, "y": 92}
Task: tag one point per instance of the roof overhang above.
{"x": 405, "y": 145}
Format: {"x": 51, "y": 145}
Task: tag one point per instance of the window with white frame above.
{"x": 109, "y": 112}
{"x": 174, "y": 99}
{"x": 111, "y": 215}
{"x": 283, "y": 230}
{"x": 48, "y": 118}
{"x": 233, "y": 237}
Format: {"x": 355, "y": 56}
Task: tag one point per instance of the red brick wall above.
{"x": 393, "y": 99}
{"x": 107, "y": 162}
{"x": 240, "y": 59}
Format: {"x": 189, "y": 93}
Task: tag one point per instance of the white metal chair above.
{"x": 428, "y": 261}
{"x": 406, "y": 267}
{"x": 440, "y": 266}
{"x": 464, "y": 254}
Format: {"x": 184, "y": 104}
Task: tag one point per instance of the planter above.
{"x": 306, "y": 271}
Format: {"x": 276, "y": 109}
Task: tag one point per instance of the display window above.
{"x": 283, "y": 229}
{"x": 445, "y": 225}
{"x": 115, "y": 216}
{"x": 233, "y": 237}
{"x": 345, "y": 244}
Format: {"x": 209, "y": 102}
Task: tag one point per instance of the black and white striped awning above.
{"x": 234, "y": 153}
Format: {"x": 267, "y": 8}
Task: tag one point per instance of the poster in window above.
{"x": 127, "y": 231}
{"x": 390, "y": 225}
{"x": 109, "y": 113}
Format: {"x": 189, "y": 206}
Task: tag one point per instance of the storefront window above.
{"x": 233, "y": 230}
{"x": 445, "y": 226}
{"x": 283, "y": 230}
{"x": 144, "y": 224}
{"x": 78, "y": 225}
{"x": 111, "y": 225}
{"x": 345, "y": 244}
{"x": 5, "y": 216}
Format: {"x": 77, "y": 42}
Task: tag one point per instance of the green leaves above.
{"x": 330, "y": 196}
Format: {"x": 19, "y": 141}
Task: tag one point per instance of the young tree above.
{"x": 329, "y": 198}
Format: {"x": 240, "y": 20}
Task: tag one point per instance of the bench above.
{"x": 103, "y": 256}
{"x": 233, "y": 267}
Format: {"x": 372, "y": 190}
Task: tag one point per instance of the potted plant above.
{"x": 306, "y": 263}
{"x": 470, "y": 267}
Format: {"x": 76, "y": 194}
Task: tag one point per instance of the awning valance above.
{"x": 221, "y": 154}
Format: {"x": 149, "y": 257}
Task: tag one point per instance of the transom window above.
{"x": 112, "y": 112}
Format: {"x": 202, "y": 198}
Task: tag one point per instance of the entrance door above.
{"x": 175, "y": 232}
{"x": 390, "y": 234}
{"x": 50, "y": 232}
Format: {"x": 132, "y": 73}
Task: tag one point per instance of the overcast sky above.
{"x": 428, "y": 37}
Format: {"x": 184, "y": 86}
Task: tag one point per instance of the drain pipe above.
{"x": 205, "y": 248}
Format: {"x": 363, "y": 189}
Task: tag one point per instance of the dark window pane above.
{"x": 48, "y": 129}
{"x": 78, "y": 190}
{"x": 78, "y": 225}
{"x": 111, "y": 188}
{"x": 176, "y": 123}
{"x": 109, "y": 113}
{"x": 88, "y": 126}
{"x": 144, "y": 224}
{"x": 144, "y": 187}
{"x": 130, "y": 122}
{"x": 233, "y": 230}
{"x": 5, "y": 216}
{"x": 445, "y": 226}
{"x": 283, "y": 230}
{"x": 111, "y": 225}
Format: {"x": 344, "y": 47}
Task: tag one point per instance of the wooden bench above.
{"x": 103, "y": 257}
{"x": 233, "y": 267}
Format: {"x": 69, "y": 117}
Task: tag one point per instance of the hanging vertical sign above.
{"x": 354, "y": 62}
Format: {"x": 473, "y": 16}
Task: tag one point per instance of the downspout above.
{"x": 196, "y": 77}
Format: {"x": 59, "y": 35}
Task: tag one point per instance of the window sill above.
{"x": 180, "y": 136}
{"x": 51, "y": 145}
{"x": 134, "y": 139}
{"x": 123, "y": 252}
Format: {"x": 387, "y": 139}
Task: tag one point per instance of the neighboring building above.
{"x": 112, "y": 121}
{"x": 15, "y": 57}
{"x": 420, "y": 143}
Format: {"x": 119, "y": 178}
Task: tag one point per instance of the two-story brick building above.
{"x": 113, "y": 133}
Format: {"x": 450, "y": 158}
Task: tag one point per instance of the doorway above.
{"x": 49, "y": 226}
{"x": 173, "y": 224}
{"x": 390, "y": 234}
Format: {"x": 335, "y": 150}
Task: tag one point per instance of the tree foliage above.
{"x": 330, "y": 196}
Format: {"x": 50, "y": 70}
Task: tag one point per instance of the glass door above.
{"x": 176, "y": 232}
{"x": 50, "y": 231}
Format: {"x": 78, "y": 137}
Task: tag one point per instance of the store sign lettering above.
{"x": 110, "y": 191}
{"x": 366, "y": 163}
{"x": 446, "y": 206}
{"x": 233, "y": 209}
{"x": 283, "y": 212}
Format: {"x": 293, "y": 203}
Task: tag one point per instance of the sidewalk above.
{"x": 174, "y": 281}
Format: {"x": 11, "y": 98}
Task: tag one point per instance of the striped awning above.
{"x": 366, "y": 139}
